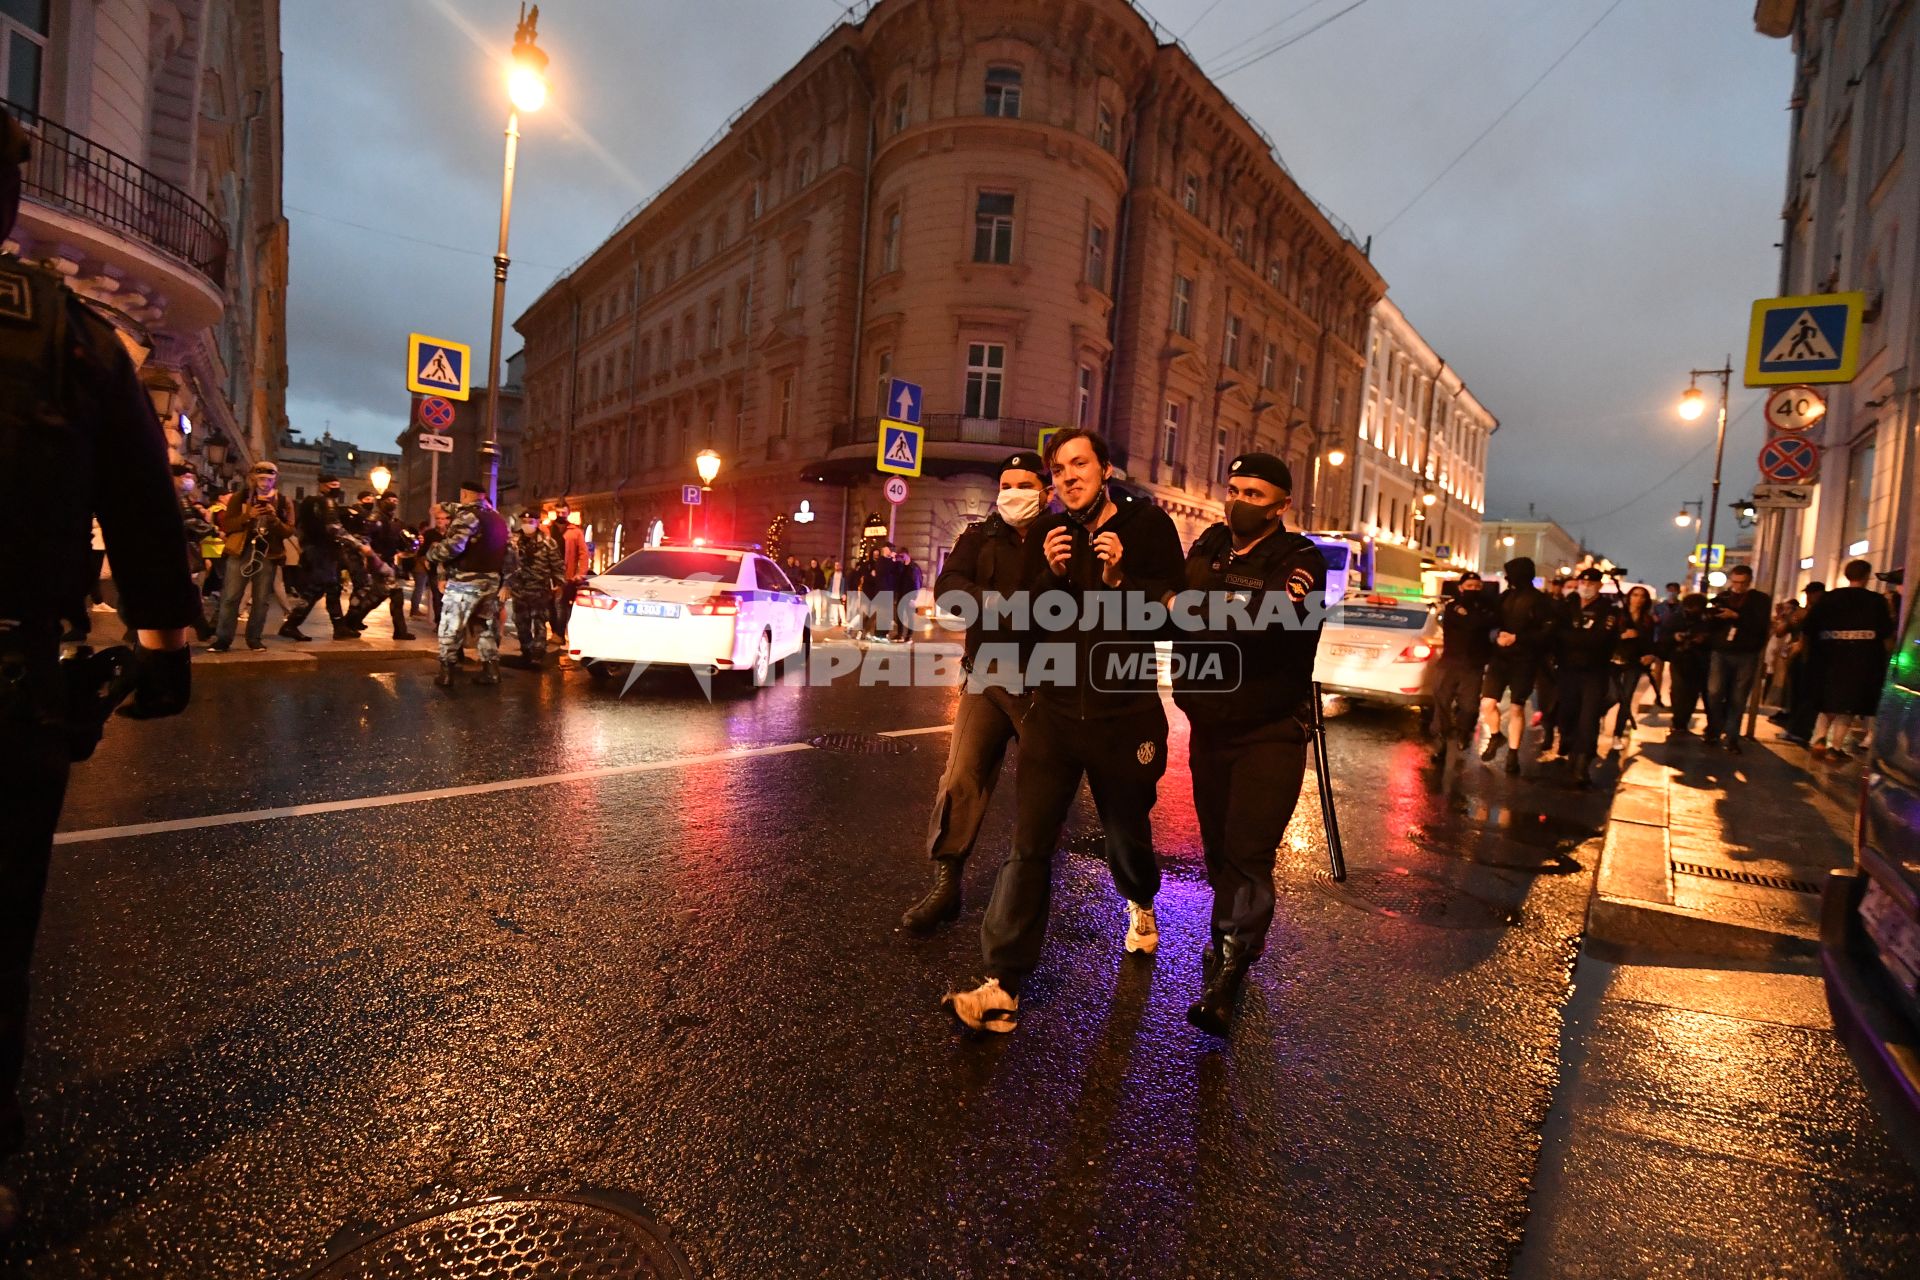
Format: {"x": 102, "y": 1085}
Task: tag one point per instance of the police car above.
{"x": 1379, "y": 648}
{"x": 711, "y": 608}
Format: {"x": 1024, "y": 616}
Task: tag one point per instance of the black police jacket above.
{"x": 1105, "y": 669}
{"x": 1466, "y": 630}
{"x": 1587, "y": 633}
{"x": 988, "y": 561}
{"x": 1528, "y": 613}
{"x": 1253, "y": 663}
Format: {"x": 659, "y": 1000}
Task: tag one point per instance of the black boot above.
{"x": 942, "y": 902}
{"x": 1580, "y": 767}
{"x": 1213, "y": 1012}
{"x": 445, "y": 678}
{"x": 403, "y": 634}
{"x": 291, "y": 631}
{"x": 489, "y": 673}
{"x": 345, "y": 630}
{"x": 1492, "y": 748}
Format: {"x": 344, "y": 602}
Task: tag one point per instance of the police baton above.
{"x": 1336, "y": 856}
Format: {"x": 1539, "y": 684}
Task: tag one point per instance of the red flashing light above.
{"x": 588, "y": 598}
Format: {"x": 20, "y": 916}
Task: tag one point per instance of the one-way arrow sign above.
{"x": 903, "y": 398}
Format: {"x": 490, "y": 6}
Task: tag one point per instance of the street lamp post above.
{"x": 527, "y": 90}
{"x": 1692, "y": 405}
{"x": 707, "y": 464}
{"x": 380, "y": 478}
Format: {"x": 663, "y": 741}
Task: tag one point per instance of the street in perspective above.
{"x": 967, "y": 692}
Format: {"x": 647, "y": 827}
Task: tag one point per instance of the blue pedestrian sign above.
{"x": 1812, "y": 338}
{"x": 903, "y": 401}
{"x": 437, "y": 367}
{"x": 900, "y": 449}
{"x": 690, "y": 494}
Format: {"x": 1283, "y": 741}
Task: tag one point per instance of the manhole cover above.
{"x": 1408, "y": 895}
{"x": 1706, "y": 872}
{"x": 518, "y": 1239}
{"x": 860, "y": 744}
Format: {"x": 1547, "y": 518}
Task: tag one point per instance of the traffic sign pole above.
{"x": 1725, "y": 374}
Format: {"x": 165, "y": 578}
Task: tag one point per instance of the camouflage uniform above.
{"x": 474, "y": 552}
{"x": 534, "y": 572}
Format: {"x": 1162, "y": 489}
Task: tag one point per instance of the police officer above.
{"x": 986, "y": 566}
{"x": 1849, "y": 633}
{"x": 1585, "y": 640}
{"x": 1245, "y": 681}
{"x": 535, "y": 573}
{"x": 1466, "y": 642}
{"x": 474, "y": 552}
{"x": 1096, "y": 714}
{"x": 71, "y": 406}
{"x": 1522, "y": 631}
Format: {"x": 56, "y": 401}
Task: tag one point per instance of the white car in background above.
{"x": 1378, "y": 648}
{"x": 709, "y": 608}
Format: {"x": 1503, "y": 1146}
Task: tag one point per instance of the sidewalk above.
{"x": 1710, "y": 853}
{"x": 376, "y": 642}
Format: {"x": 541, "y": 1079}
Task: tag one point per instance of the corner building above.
{"x": 1044, "y": 215}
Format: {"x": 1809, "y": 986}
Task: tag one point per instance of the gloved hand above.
{"x": 162, "y": 684}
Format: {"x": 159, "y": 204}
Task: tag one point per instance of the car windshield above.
{"x": 660, "y": 562}
{"x": 1367, "y": 614}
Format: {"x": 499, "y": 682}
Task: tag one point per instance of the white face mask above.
{"x": 1017, "y": 507}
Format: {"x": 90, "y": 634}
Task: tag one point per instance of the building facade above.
{"x": 1554, "y": 551}
{"x": 304, "y": 463}
{"x": 154, "y": 188}
{"x": 1852, "y": 215}
{"x": 1420, "y": 433}
{"x": 1041, "y": 214}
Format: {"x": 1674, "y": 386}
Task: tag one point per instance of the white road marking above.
{"x": 446, "y": 793}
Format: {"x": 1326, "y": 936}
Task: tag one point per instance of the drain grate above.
{"x": 860, "y": 744}
{"x": 1745, "y": 877}
{"x": 1408, "y": 895}
{"x": 518, "y": 1239}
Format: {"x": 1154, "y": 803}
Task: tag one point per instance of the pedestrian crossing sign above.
{"x": 1812, "y": 338}
{"x": 437, "y": 367}
{"x": 900, "y": 448}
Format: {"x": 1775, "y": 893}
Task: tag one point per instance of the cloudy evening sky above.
{"x": 1603, "y": 239}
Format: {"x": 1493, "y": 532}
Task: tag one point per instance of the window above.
{"x": 794, "y": 269}
{"x": 1003, "y": 92}
{"x": 1859, "y": 508}
{"x": 993, "y": 227}
{"x": 1190, "y": 194}
{"x": 1230, "y": 355}
{"x": 1240, "y": 243}
{"x": 890, "y": 240}
{"x": 1220, "y": 456}
{"x": 1183, "y": 306}
{"x": 1083, "y": 398}
{"x": 1097, "y": 256}
{"x": 693, "y": 251}
{"x": 719, "y": 233}
{"x": 986, "y": 370}
{"x": 646, "y": 357}
{"x": 23, "y": 51}
{"x": 783, "y": 408}
{"x": 757, "y": 200}
{"x": 743, "y": 305}
{"x": 1269, "y": 357}
{"x": 1276, "y": 273}
{"x": 897, "y": 113}
{"x": 883, "y": 383}
{"x": 1103, "y": 129}
{"x": 714, "y": 310}
{"x": 1300, "y": 382}
{"x": 1339, "y": 407}
{"x": 1170, "y": 434}
{"x": 686, "y": 336}
{"x": 1364, "y": 516}
{"x": 673, "y": 265}
{"x": 802, "y": 170}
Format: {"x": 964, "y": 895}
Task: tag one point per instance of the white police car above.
{"x": 1379, "y": 648}
{"x": 711, "y": 608}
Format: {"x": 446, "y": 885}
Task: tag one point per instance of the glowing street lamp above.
{"x": 707, "y": 463}
{"x": 1692, "y": 405}
{"x": 527, "y": 91}
{"x": 1336, "y": 457}
{"x": 380, "y": 478}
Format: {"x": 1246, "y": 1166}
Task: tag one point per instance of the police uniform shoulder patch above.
{"x": 1299, "y": 583}
{"x": 1144, "y": 753}
{"x": 16, "y": 296}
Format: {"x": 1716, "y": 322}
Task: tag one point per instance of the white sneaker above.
{"x": 985, "y": 1008}
{"x": 1143, "y": 931}
{"x": 1619, "y": 742}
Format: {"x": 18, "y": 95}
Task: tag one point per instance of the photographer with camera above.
{"x": 257, "y": 521}
{"x": 71, "y": 405}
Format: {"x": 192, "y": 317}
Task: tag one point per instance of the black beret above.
{"x": 529, "y": 514}
{"x": 472, "y": 486}
{"x": 1469, "y": 576}
{"x": 1590, "y": 575}
{"x": 1024, "y": 462}
{"x": 1262, "y": 466}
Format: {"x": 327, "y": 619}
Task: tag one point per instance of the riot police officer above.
{"x": 1466, "y": 643}
{"x": 71, "y": 406}
{"x": 1246, "y": 630}
{"x": 1589, "y": 629}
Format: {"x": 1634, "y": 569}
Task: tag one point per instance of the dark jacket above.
{"x": 1628, "y": 650}
{"x": 1529, "y": 613}
{"x": 1151, "y": 568}
{"x": 1748, "y": 633}
{"x": 1847, "y": 632}
{"x": 1688, "y": 640}
{"x": 1263, "y": 673}
{"x": 1587, "y": 633}
{"x": 989, "y": 561}
{"x": 238, "y": 522}
{"x": 1466, "y": 630}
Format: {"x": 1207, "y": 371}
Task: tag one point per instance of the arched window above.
{"x": 1003, "y": 92}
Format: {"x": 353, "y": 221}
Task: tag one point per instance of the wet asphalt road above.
{"x": 685, "y": 982}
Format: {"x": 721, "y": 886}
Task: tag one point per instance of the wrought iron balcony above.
{"x": 951, "y": 428}
{"x": 77, "y": 175}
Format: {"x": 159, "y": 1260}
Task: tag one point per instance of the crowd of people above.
{"x": 1576, "y": 654}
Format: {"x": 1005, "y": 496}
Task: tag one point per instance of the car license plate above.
{"x": 1350, "y": 651}
{"x": 650, "y": 609}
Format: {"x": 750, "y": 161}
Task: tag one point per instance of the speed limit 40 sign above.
{"x": 1795, "y": 408}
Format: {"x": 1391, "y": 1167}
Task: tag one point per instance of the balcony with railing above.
{"x": 83, "y": 197}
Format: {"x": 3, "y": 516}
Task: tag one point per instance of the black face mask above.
{"x": 1247, "y": 519}
{"x": 1092, "y": 510}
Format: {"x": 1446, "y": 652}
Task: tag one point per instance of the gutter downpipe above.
{"x": 1121, "y": 244}
{"x": 860, "y": 288}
